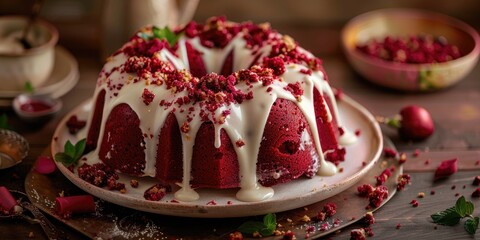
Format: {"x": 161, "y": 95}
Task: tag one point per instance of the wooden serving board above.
{"x": 111, "y": 221}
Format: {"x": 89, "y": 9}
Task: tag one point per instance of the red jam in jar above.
{"x": 35, "y": 106}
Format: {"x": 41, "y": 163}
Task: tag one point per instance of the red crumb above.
{"x": 357, "y": 132}
{"x": 476, "y": 181}
{"x": 229, "y": 202}
{"x": 476, "y": 193}
{"x": 377, "y": 197}
{"x": 457, "y": 194}
{"x": 427, "y": 161}
{"x": 365, "y": 190}
{"x": 235, "y": 236}
{"x": 389, "y": 152}
{"x": 416, "y": 153}
{"x": 382, "y": 178}
{"x": 453, "y": 187}
{"x": 403, "y": 180}
{"x": 398, "y": 226}
{"x": 212, "y": 202}
{"x": 432, "y": 192}
{"x": 289, "y": 235}
{"x": 358, "y": 234}
{"x": 147, "y": 96}
{"x": 157, "y": 192}
{"x": 477, "y": 163}
{"x": 240, "y": 143}
{"x": 369, "y": 219}
{"x": 74, "y": 125}
{"x": 369, "y": 231}
{"x": 414, "y": 203}
{"x": 330, "y": 209}
{"x": 134, "y": 183}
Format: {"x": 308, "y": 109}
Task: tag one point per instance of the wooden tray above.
{"x": 113, "y": 221}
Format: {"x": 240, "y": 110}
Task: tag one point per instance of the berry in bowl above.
{"x": 410, "y": 50}
{"x": 36, "y": 109}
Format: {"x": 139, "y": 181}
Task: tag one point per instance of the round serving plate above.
{"x": 217, "y": 203}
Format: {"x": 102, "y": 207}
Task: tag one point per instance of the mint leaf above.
{"x": 447, "y": 217}
{"x": 79, "y": 148}
{"x": 471, "y": 225}
{"x": 28, "y": 87}
{"x": 464, "y": 207}
{"x": 251, "y": 227}
{"x": 266, "y": 232}
{"x": 4, "y": 122}
{"x": 265, "y": 229}
{"x": 460, "y": 206}
{"x": 165, "y": 33}
{"x": 270, "y": 221}
{"x": 69, "y": 149}
{"x": 71, "y": 153}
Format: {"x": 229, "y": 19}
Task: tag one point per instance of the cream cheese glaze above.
{"x": 245, "y": 122}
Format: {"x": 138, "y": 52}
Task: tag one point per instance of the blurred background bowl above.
{"x": 36, "y": 109}
{"x": 405, "y": 23}
{"x": 18, "y": 65}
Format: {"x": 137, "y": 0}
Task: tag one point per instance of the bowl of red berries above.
{"x": 409, "y": 49}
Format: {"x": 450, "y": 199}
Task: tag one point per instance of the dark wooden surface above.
{"x": 456, "y": 112}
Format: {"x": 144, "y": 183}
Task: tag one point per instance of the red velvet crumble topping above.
{"x": 147, "y": 96}
{"x": 74, "y": 125}
{"x": 383, "y": 177}
{"x": 403, "y": 180}
{"x": 476, "y": 193}
{"x": 389, "y": 152}
{"x": 415, "y": 49}
{"x": 476, "y": 181}
{"x": 240, "y": 143}
{"x": 375, "y": 195}
{"x": 369, "y": 219}
{"x": 235, "y": 236}
{"x": 157, "y": 192}
{"x": 358, "y": 234}
{"x": 100, "y": 175}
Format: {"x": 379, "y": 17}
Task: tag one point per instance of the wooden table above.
{"x": 456, "y": 112}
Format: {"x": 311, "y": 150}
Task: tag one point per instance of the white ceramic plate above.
{"x": 360, "y": 158}
{"x": 63, "y": 78}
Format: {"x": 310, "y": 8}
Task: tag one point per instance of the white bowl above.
{"x": 410, "y": 77}
{"x": 36, "y": 109}
{"x": 18, "y": 65}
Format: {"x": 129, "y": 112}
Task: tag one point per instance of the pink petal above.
{"x": 445, "y": 169}
{"x": 45, "y": 165}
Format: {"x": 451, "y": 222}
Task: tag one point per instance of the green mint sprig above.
{"x": 452, "y": 216}
{"x": 28, "y": 87}
{"x": 71, "y": 153}
{"x": 265, "y": 228}
{"x": 161, "y": 33}
{"x": 4, "y": 122}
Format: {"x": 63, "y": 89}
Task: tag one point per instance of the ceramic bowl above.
{"x": 405, "y": 23}
{"x": 13, "y": 148}
{"x": 36, "y": 109}
{"x": 18, "y": 65}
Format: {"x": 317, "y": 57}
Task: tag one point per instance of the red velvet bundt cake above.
{"x": 215, "y": 105}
